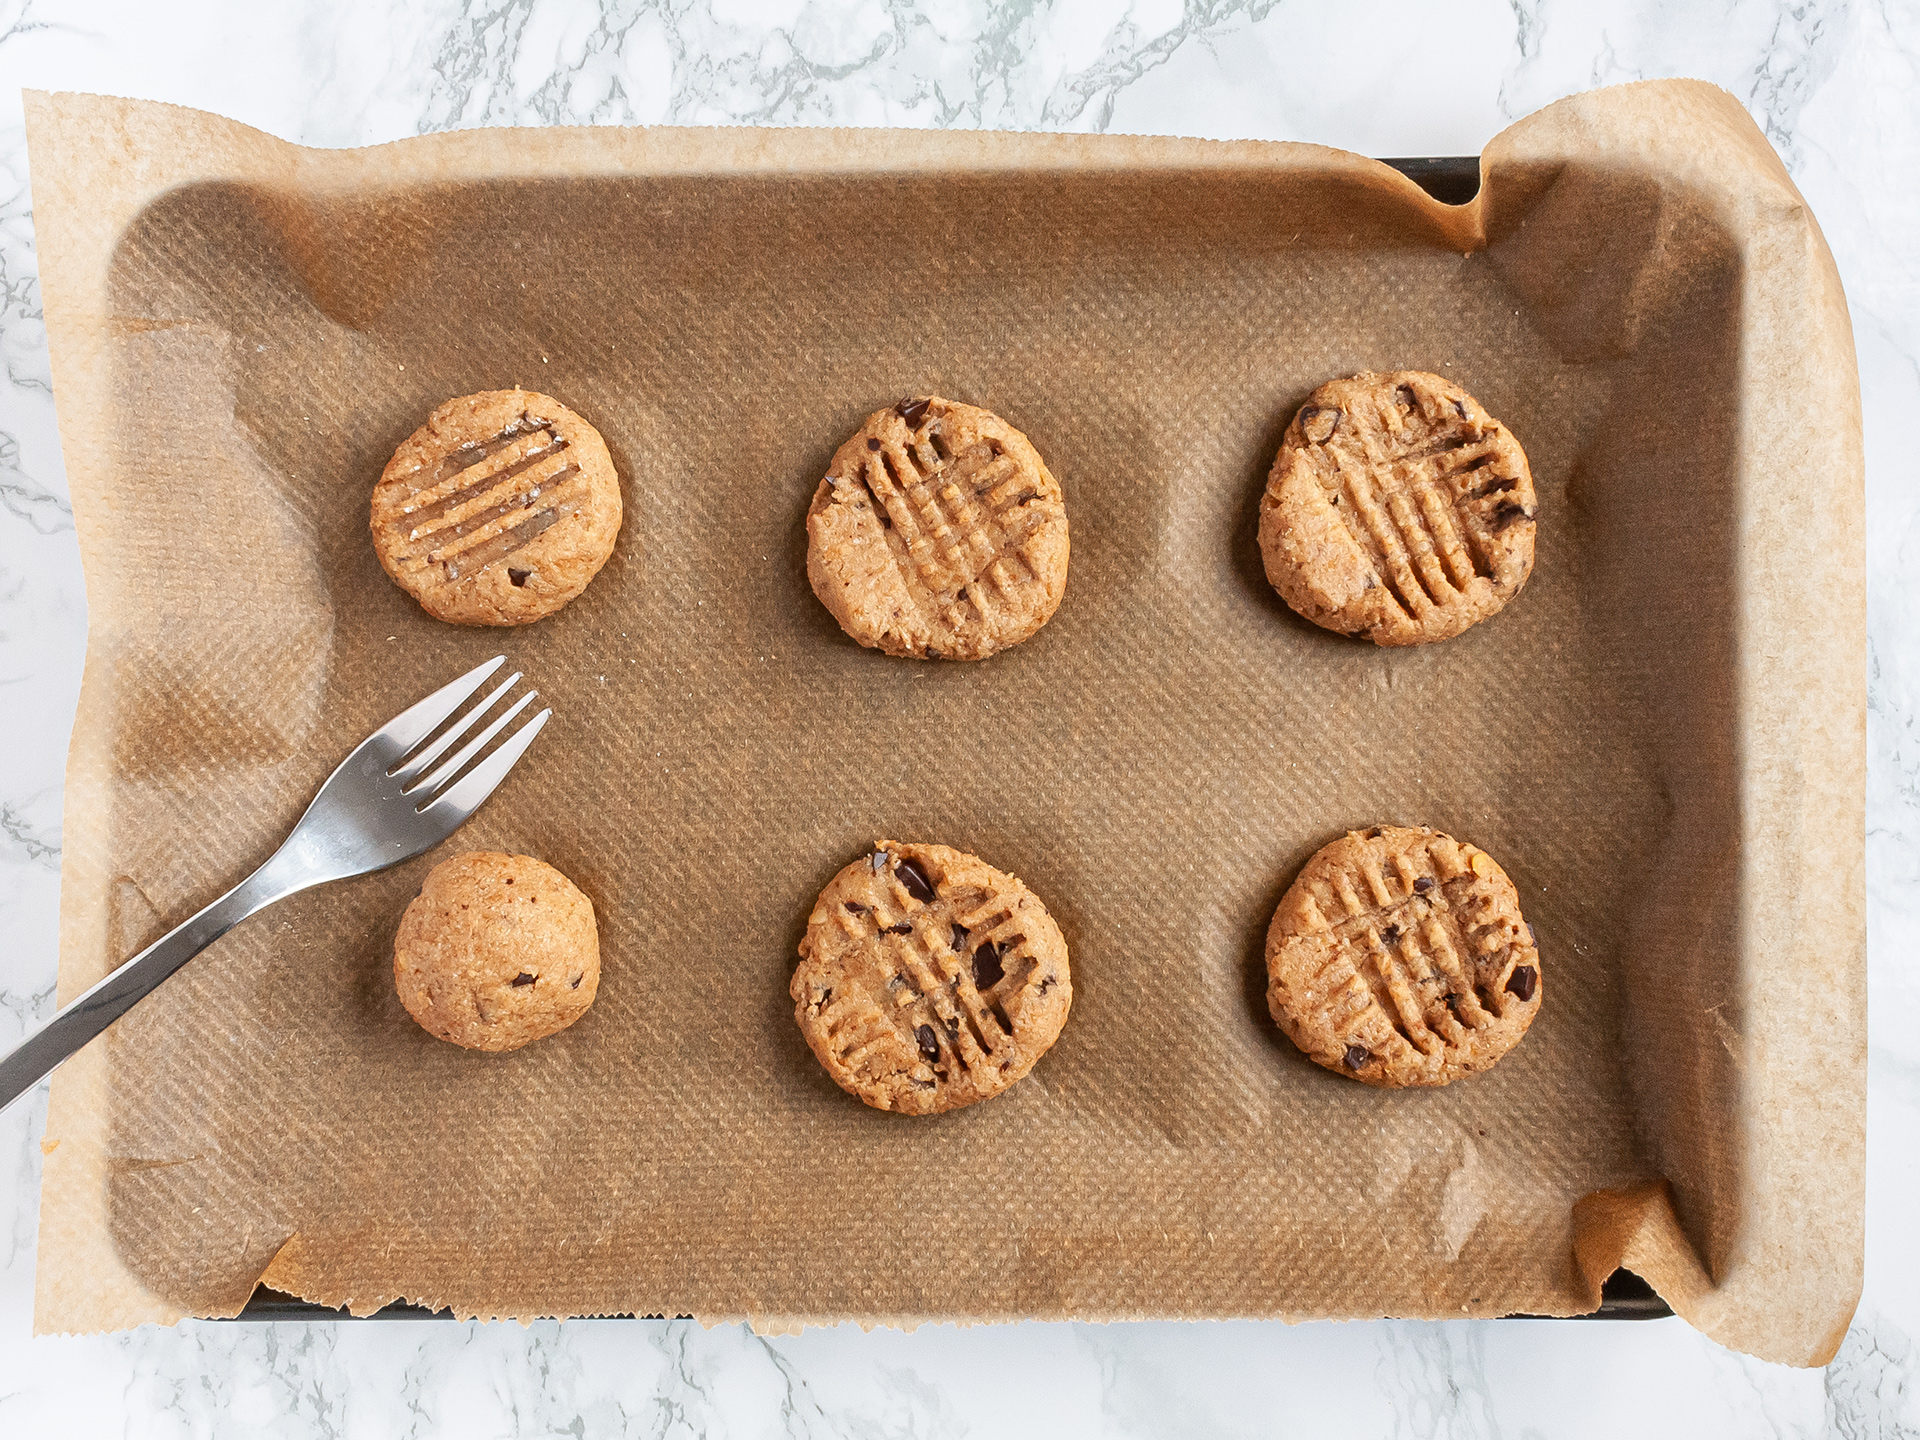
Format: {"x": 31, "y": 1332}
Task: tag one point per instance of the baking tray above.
{"x": 1133, "y": 318}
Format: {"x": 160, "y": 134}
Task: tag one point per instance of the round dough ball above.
{"x": 496, "y": 951}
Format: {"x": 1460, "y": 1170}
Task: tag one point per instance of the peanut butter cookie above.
{"x": 496, "y": 951}
{"x": 1398, "y": 510}
{"x": 1400, "y": 957}
{"x": 938, "y": 533}
{"x": 498, "y": 510}
{"x": 928, "y": 979}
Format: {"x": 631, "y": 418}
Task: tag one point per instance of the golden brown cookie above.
{"x": 1400, "y": 957}
{"x": 496, "y": 951}
{"x": 498, "y": 510}
{"x": 938, "y": 533}
{"x": 928, "y": 979}
{"x": 1397, "y": 509}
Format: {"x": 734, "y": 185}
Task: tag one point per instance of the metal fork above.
{"x": 394, "y": 797}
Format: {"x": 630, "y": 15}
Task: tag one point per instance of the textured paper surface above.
{"x": 1661, "y": 739}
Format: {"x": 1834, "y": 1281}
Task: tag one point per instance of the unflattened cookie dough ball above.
{"x": 498, "y": 510}
{"x": 496, "y": 951}
{"x": 1398, "y": 510}
{"x": 1400, "y": 957}
{"x": 928, "y": 979}
{"x": 938, "y": 533}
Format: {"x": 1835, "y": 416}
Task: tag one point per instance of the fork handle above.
{"x": 77, "y": 1023}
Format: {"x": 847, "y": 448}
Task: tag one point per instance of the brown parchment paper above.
{"x": 1661, "y": 739}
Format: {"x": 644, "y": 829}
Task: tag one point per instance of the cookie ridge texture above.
{"x": 1397, "y": 510}
{"x": 1399, "y": 957}
{"x": 929, "y": 980}
{"x": 938, "y": 533}
{"x": 498, "y": 510}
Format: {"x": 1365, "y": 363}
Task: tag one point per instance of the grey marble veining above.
{"x": 1836, "y": 87}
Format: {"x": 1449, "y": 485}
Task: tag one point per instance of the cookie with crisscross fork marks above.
{"x": 1400, "y": 957}
{"x": 1398, "y": 510}
{"x": 928, "y": 979}
{"x": 938, "y": 533}
{"x": 498, "y": 510}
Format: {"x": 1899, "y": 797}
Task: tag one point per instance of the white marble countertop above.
{"x": 1835, "y": 85}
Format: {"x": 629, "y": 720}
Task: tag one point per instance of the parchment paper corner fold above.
{"x": 1662, "y": 739}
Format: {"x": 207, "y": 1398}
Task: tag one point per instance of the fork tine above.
{"x": 467, "y": 793}
{"x": 415, "y": 764}
{"x": 472, "y": 748}
{"x": 414, "y": 724}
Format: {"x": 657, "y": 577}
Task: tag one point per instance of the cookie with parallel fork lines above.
{"x": 938, "y": 533}
{"x": 928, "y": 979}
{"x": 1400, "y": 957}
{"x": 498, "y": 510}
{"x": 1397, "y": 510}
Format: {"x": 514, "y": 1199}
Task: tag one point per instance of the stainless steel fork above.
{"x": 398, "y": 794}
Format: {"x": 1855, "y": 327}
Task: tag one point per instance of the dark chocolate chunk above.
{"x": 1403, "y": 395}
{"x": 914, "y": 878}
{"x": 1318, "y": 422}
{"x": 1026, "y": 495}
{"x": 1460, "y": 406}
{"x": 929, "y": 1046}
{"x": 578, "y": 978}
{"x": 518, "y": 577}
{"x": 1048, "y": 984}
{"x": 1356, "y": 1057}
{"x": 523, "y": 978}
{"x": 1423, "y": 885}
{"x": 1509, "y": 511}
{"x": 854, "y": 907}
{"x": 959, "y": 938}
{"x": 913, "y": 412}
{"x": 1390, "y": 935}
{"x": 901, "y": 929}
{"x": 1523, "y": 982}
{"x": 963, "y": 593}
{"x": 872, "y": 444}
{"x": 987, "y": 969}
